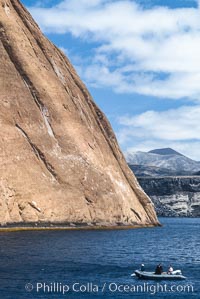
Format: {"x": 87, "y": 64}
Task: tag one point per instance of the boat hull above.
{"x": 153, "y": 276}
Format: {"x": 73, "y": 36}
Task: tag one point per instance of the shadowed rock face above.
{"x": 174, "y": 196}
{"x": 59, "y": 158}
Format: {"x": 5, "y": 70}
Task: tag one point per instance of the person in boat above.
{"x": 170, "y": 270}
{"x": 159, "y": 269}
{"x": 142, "y": 267}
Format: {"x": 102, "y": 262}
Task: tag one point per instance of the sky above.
{"x": 139, "y": 60}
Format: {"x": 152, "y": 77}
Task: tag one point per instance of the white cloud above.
{"x": 175, "y": 124}
{"x": 149, "y": 42}
{"x": 176, "y": 128}
{"x": 154, "y": 52}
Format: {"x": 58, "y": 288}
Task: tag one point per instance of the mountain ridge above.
{"x": 165, "y": 151}
{"x": 154, "y": 164}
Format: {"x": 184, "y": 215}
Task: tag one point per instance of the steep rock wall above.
{"x": 174, "y": 196}
{"x": 60, "y": 161}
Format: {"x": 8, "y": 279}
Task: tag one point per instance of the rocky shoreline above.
{"x": 71, "y": 226}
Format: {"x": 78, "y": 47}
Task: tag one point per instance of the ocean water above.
{"x": 92, "y": 264}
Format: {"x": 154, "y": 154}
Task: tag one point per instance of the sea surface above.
{"x": 92, "y": 264}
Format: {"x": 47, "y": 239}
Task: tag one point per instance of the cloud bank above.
{"x": 150, "y": 51}
{"x": 178, "y": 128}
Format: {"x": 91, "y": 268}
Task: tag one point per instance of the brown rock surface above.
{"x": 59, "y": 158}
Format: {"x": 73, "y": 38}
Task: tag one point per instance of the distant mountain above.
{"x": 161, "y": 162}
{"x": 165, "y": 151}
{"x": 170, "y": 179}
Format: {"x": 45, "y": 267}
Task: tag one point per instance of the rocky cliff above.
{"x": 59, "y": 158}
{"x": 174, "y": 196}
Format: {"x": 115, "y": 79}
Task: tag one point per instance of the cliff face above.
{"x": 174, "y": 196}
{"x": 59, "y": 158}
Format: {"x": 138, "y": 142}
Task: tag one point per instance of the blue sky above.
{"x": 140, "y": 61}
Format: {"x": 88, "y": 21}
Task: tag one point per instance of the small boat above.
{"x": 176, "y": 275}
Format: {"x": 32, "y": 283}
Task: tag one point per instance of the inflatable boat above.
{"x": 176, "y": 275}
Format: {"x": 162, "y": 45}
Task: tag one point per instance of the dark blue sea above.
{"x": 92, "y": 264}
